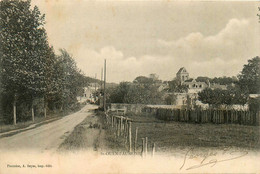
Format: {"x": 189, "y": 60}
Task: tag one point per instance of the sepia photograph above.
{"x": 129, "y": 86}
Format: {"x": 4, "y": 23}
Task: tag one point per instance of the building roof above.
{"x": 189, "y": 80}
{"x": 181, "y": 70}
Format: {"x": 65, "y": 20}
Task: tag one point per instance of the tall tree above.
{"x": 23, "y": 48}
{"x": 249, "y": 78}
{"x": 70, "y": 79}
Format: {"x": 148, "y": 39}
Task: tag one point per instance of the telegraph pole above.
{"x": 95, "y": 96}
{"x": 101, "y": 88}
{"x": 101, "y": 78}
{"x": 104, "y": 86}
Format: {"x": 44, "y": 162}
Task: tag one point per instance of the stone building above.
{"x": 182, "y": 75}
{"x": 194, "y": 86}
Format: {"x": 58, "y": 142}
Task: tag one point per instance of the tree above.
{"x": 203, "y": 79}
{"x": 249, "y": 78}
{"x": 23, "y": 49}
{"x": 143, "y": 90}
{"x": 171, "y": 99}
{"x": 224, "y": 80}
{"x": 217, "y": 97}
{"x": 175, "y": 86}
{"x": 70, "y": 80}
{"x": 118, "y": 94}
{"x": 31, "y": 74}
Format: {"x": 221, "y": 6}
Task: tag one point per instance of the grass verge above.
{"x": 92, "y": 134}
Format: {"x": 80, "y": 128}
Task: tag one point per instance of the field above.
{"x": 169, "y": 137}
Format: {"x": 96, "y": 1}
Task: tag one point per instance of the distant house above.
{"x": 88, "y": 93}
{"x": 194, "y": 86}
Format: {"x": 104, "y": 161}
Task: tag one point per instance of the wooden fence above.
{"x": 122, "y": 127}
{"x": 205, "y": 116}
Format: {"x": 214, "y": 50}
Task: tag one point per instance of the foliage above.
{"x": 24, "y": 45}
{"x": 175, "y": 86}
{"x": 203, "y": 79}
{"x": 119, "y": 94}
{"x": 218, "y": 80}
{"x": 216, "y": 97}
{"x": 68, "y": 81}
{"x": 224, "y": 80}
{"x": 143, "y": 90}
{"x": 171, "y": 99}
{"x": 249, "y": 78}
{"x": 30, "y": 72}
{"x": 254, "y": 104}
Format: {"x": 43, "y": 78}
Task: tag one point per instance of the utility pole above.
{"x": 95, "y": 87}
{"x": 101, "y": 79}
{"x": 104, "y": 86}
{"x": 101, "y": 88}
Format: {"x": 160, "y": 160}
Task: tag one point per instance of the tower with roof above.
{"x": 182, "y": 75}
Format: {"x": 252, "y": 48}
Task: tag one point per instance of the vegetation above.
{"x": 218, "y": 80}
{"x": 143, "y": 90}
{"x": 217, "y": 97}
{"x": 33, "y": 78}
{"x": 175, "y": 86}
{"x": 248, "y": 83}
{"x": 249, "y": 78}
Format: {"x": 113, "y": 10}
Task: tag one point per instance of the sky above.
{"x": 136, "y": 38}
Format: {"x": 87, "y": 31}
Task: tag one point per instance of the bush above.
{"x": 254, "y": 104}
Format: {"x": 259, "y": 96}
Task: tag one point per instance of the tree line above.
{"x": 33, "y": 78}
{"x": 151, "y": 90}
{"x": 248, "y": 82}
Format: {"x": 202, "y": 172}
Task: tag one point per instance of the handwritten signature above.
{"x": 210, "y": 158}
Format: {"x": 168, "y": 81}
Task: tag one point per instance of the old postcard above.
{"x": 129, "y": 86}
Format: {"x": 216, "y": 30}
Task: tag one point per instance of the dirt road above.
{"x": 47, "y": 137}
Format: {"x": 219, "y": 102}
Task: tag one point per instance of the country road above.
{"x": 46, "y": 137}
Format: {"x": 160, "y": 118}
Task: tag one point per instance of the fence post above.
{"x": 146, "y": 145}
{"x": 32, "y": 114}
{"x": 118, "y": 126}
{"x": 130, "y": 137}
{"x": 257, "y": 118}
{"x": 218, "y": 116}
{"x": 235, "y": 117}
{"x": 221, "y": 116}
{"x": 214, "y": 116}
{"x": 112, "y": 120}
{"x": 153, "y": 152}
{"x": 121, "y": 125}
{"x": 136, "y": 133}
{"x": 143, "y": 144}
{"x": 126, "y": 130}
